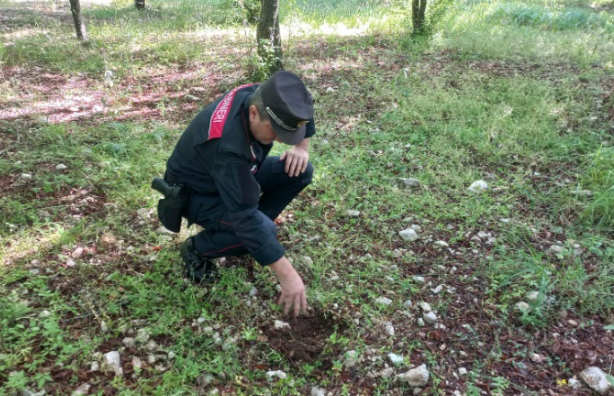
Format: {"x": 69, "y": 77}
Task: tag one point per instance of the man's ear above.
{"x": 254, "y": 116}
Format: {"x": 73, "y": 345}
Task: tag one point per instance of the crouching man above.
{"x": 235, "y": 189}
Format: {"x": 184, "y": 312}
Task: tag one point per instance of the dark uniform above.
{"x": 236, "y": 190}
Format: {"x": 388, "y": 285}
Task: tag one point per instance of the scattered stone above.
{"x": 395, "y": 359}
{"x": 572, "y": 323}
{"x": 582, "y": 193}
{"x": 316, "y": 391}
{"x": 137, "y": 363}
{"x": 426, "y": 307}
{"x": 437, "y": 289}
{"x": 108, "y": 240}
{"x": 556, "y": 249}
{"x": 213, "y": 392}
{"x": 208, "y": 330}
{"x": 77, "y": 253}
{"x": 387, "y": 372}
{"x": 61, "y": 167}
{"x": 532, "y": 296}
{"x": 160, "y": 367}
{"x": 505, "y": 221}
{"x": 389, "y": 329}
{"x": 25, "y": 177}
{"x": 574, "y": 383}
{"x": 522, "y": 307}
{"x": 112, "y": 362}
{"x": 430, "y": 317}
{"x": 537, "y": 358}
{"x": 330, "y": 90}
{"x": 129, "y": 342}
{"x": 417, "y": 391}
{"x": 418, "y": 279}
{"x": 103, "y": 327}
{"x": 351, "y": 358}
{"x": 201, "y": 320}
{"x": 151, "y": 345}
{"x": 441, "y": 244}
{"x": 82, "y": 390}
{"x": 420, "y": 322}
{"x": 142, "y": 336}
{"x": 204, "y": 380}
{"x": 596, "y": 379}
{"x": 171, "y": 355}
{"x": 151, "y": 359}
{"x": 478, "y": 186}
{"x": 94, "y": 366}
{"x": 410, "y": 182}
{"x": 409, "y": 235}
{"x": 353, "y": 213}
{"x": 383, "y": 301}
{"x": 277, "y": 373}
{"x": 191, "y": 98}
{"x": 415, "y": 377}
{"x": 279, "y": 325}
{"x": 308, "y": 260}
{"x": 462, "y": 371}
{"x": 407, "y": 304}
{"x": 415, "y": 227}
{"x": 44, "y": 314}
{"x": 70, "y": 263}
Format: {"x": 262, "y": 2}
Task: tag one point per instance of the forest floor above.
{"x": 508, "y": 289}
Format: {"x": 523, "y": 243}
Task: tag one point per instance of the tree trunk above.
{"x": 418, "y": 11}
{"x": 269, "y": 36}
{"x": 75, "y": 9}
{"x": 140, "y": 4}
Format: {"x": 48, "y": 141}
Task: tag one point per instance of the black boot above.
{"x": 197, "y": 268}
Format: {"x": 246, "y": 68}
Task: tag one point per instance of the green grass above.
{"x": 513, "y": 93}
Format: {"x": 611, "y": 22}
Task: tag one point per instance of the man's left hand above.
{"x": 297, "y": 159}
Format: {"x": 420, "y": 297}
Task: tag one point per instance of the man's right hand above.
{"x": 292, "y": 288}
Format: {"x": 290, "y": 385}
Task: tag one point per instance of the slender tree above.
{"x": 269, "y": 36}
{"x": 140, "y": 4}
{"x": 75, "y": 9}
{"x": 418, "y": 9}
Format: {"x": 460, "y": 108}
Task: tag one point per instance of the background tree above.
{"x": 269, "y": 36}
{"x": 418, "y": 9}
{"x": 75, "y": 9}
{"x": 140, "y": 4}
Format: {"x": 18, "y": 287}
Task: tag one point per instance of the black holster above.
{"x": 172, "y": 207}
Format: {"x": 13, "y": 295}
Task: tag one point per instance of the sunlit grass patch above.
{"x": 599, "y": 179}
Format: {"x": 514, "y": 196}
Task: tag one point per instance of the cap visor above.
{"x": 291, "y": 138}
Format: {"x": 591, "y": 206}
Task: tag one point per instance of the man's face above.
{"x": 261, "y": 130}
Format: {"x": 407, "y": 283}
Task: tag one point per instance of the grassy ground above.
{"x": 516, "y": 94}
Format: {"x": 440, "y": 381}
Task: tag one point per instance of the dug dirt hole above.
{"x": 305, "y": 339}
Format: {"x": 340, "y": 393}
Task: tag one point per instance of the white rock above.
{"x": 387, "y": 372}
{"x": 409, "y": 235}
{"x": 383, "y": 301}
{"x": 596, "y": 379}
{"x": 441, "y": 244}
{"x": 279, "y": 325}
{"x": 437, "y": 289}
{"x": 277, "y": 373}
{"x": 61, "y": 167}
{"x": 129, "y": 342}
{"x": 418, "y": 279}
{"x": 171, "y": 355}
{"x": 316, "y": 391}
{"x": 351, "y": 358}
{"x": 353, "y": 213}
{"x": 389, "y": 329}
{"x": 213, "y": 392}
{"x": 410, "y": 182}
{"x": 151, "y": 345}
{"x": 532, "y": 296}
{"x": 522, "y": 306}
{"x": 82, "y": 390}
{"x": 25, "y": 176}
{"x": 416, "y": 377}
{"x": 395, "y": 359}
{"x": 253, "y": 292}
{"x": 201, "y": 320}
{"x": 582, "y": 193}
{"x": 112, "y": 362}
{"x": 44, "y": 314}
{"x": 137, "y": 363}
{"x": 77, "y": 253}
{"x": 537, "y": 358}
{"x": 415, "y": 227}
{"x": 330, "y": 90}
{"x": 420, "y": 322}
{"x": 142, "y": 336}
{"x": 151, "y": 359}
{"x": 94, "y": 366}
{"x": 556, "y": 249}
{"x": 426, "y": 307}
{"x": 308, "y": 260}
{"x": 208, "y": 330}
{"x": 478, "y": 186}
{"x": 103, "y": 327}
{"x": 430, "y": 317}
{"x": 191, "y": 98}
{"x": 407, "y": 304}
{"x": 574, "y": 383}
{"x": 462, "y": 371}
{"x": 204, "y": 380}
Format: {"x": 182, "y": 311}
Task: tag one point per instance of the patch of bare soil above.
{"x": 305, "y": 340}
